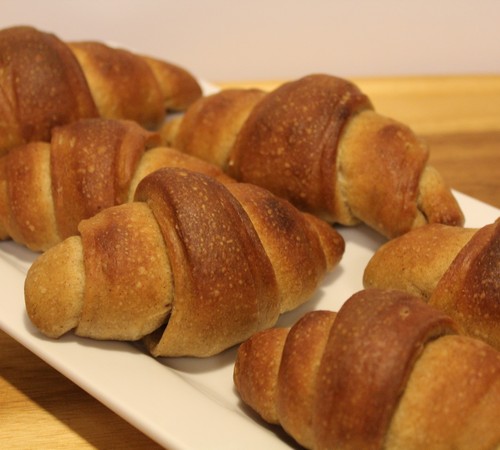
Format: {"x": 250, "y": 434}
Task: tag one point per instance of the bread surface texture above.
{"x": 191, "y": 267}
{"x": 318, "y": 142}
{"x": 47, "y": 188}
{"x": 385, "y": 371}
{"x": 46, "y": 82}
{"x": 454, "y": 269}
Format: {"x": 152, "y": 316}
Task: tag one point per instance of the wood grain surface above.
{"x": 460, "y": 118}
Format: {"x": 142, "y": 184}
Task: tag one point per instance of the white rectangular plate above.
{"x": 182, "y": 403}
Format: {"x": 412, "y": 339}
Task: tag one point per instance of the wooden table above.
{"x": 460, "y": 118}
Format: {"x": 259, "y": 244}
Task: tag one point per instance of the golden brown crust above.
{"x": 199, "y": 259}
{"x": 179, "y": 88}
{"x": 380, "y": 162}
{"x": 454, "y": 269}
{"x": 451, "y": 398}
{"x": 257, "y": 365}
{"x": 436, "y": 202}
{"x": 416, "y": 261}
{"x": 298, "y": 374}
{"x": 41, "y": 85}
{"x": 90, "y": 165}
{"x": 159, "y": 157}
{"x": 385, "y": 372}
{"x": 385, "y": 180}
{"x": 45, "y": 82}
{"x": 209, "y": 127}
{"x": 26, "y": 204}
{"x": 299, "y": 143}
{"x": 137, "y": 96}
{"x": 132, "y": 286}
{"x": 317, "y": 142}
{"x": 4, "y": 201}
{"x": 225, "y": 284}
{"x": 469, "y": 290}
{"x": 292, "y": 243}
{"x": 332, "y": 243}
{"x": 58, "y": 277}
{"x": 394, "y": 327}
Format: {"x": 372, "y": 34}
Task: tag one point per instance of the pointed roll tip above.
{"x": 332, "y": 242}
{"x": 54, "y": 288}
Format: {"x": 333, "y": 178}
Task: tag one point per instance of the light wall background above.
{"x": 228, "y": 40}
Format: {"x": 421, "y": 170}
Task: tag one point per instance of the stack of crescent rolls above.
{"x": 47, "y": 188}
{"x": 46, "y": 82}
{"x": 193, "y": 232}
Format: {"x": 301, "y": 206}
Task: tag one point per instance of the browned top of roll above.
{"x": 122, "y": 83}
{"x": 225, "y": 287}
{"x": 470, "y": 289}
{"x": 298, "y": 144}
{"x": 374, "y": 342}
{"x": 209, "y": 127}
{"x": 127, "y": 293}
{"x": 416, "y": 261}
{"x": 178, "y": 86}
{"x": 41, "y": 85}
{"x": 89, "y": 173}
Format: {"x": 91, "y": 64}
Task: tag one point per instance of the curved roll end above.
{"x": 469, "y": 290}
{"x": 54, "y": 288}
{"x": 209, "y": 128}
{"x": 178, "y": 86}
{"x": 46, "y": 84}
{"x": 416, "y": 261}
{"x": 331, "y": 240}
{"x": 436, "y": 202}
{"x": 256, "y": 371}
{"x": 26, "y": 205}
{"x": 385, "y": 180}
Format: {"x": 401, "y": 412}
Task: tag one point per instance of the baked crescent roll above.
{"x": 46, "y": 189}
{"x": 456, "y": 270}
{"x": 386, "y": 371}
{"x": 46, "y": 82}
{"x": 318, "y": 143}
{"x": 191, "y": 267}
